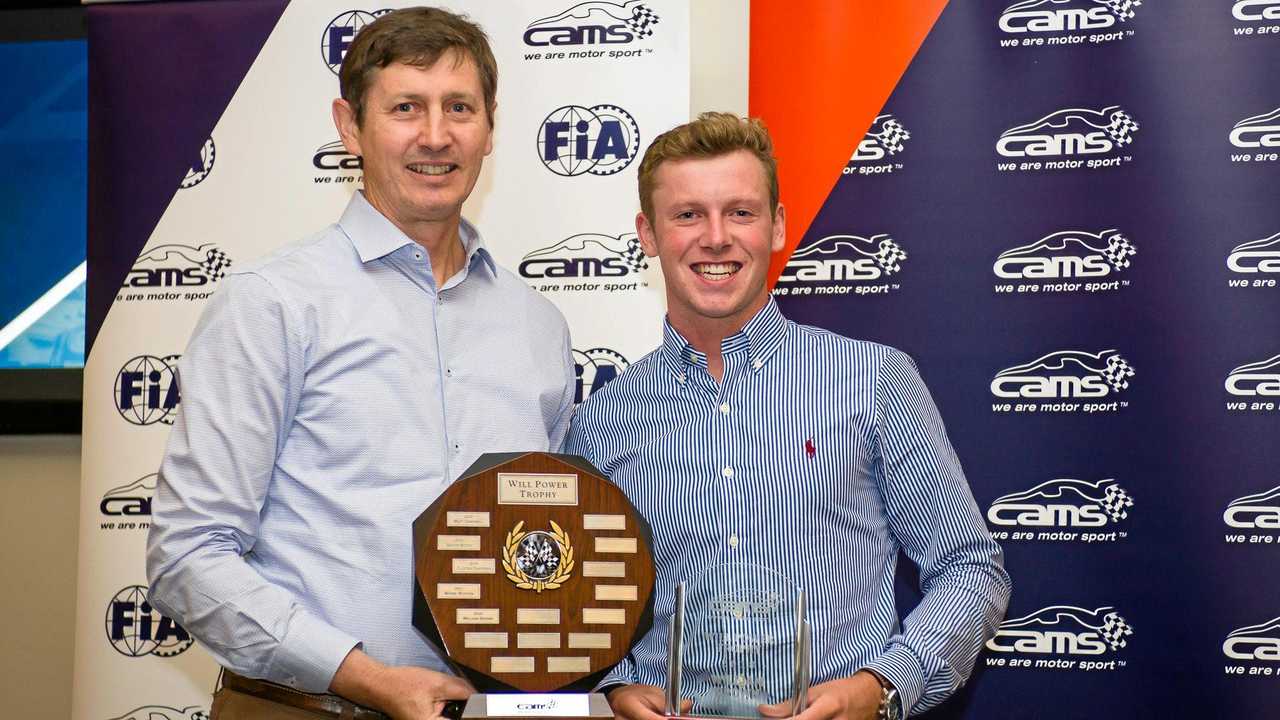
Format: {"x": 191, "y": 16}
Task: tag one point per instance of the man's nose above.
{"x": 433, "y": 133}
{"x": 717, "y": 235}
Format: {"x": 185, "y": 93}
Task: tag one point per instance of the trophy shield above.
{"x": 740, "y": 639}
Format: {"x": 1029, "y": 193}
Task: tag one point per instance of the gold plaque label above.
{"x": 481, "y": 640}
{"x": 617, "y": 592}
{"x": 569, "y": 664}
{"x": 457, "y": 591}
{"x": 595, "y": 568}
{"x": 538, "y": 616}
{"x": 604, "y": 616}
{"x": 511, "y": 665}
{"x": 537, "y": 489}
{"x": 474, "y": 566}
{"x": 590, "y": 641}
{"x": 457, "y": 542}
{"x": 604, "y": 522}
{"x": 615, "y": 545}
{"x": 477, "y": 616}
{"x": 467, "y": 519}
{"x": 535, "y": 641}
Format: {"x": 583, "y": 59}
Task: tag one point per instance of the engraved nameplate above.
{"x": 538, "y": 616}
{"x": 617, "y": 592}
{"x": 468, "y": 519}
{"x": 615, "y": 545}
{"x": 473, "y": 566}
{"x": 595, "y": 568}
{"x": 477, "y": 616}
{"x": 590, "y": 641}
{"x": 458, "y": 591}
{"x": 569, "y": 664}
{"x": 604, "y": 616}
{"x": 457, "y": 542}
{"x": 535, "y": 641}
{"x": 537, "y": 489}
{"x": 511, "y": 665}
{"x": 604, "y": 522}
{"x": 485, "y": 640}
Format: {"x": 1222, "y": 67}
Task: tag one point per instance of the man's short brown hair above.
{"x": 713, "y": 134}
{"x": 415, "y": 36}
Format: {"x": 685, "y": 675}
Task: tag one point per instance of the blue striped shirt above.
{"x": 818, "y": 457}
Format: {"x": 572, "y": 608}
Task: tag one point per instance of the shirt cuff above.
{"x": 309, "y": 654}
{"x": 901, "y": 668}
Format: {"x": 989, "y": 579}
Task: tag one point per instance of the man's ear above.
{"x": 344, "y": 119}
{"x": 648, "y": 240}
{"x": 779, "y": 239}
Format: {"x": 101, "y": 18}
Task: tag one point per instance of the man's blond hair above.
{"x": 713, "y": 134}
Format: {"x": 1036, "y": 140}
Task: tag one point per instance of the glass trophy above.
{"x": 739, "y": 639}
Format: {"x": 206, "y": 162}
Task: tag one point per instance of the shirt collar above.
{"x": 374, "y": 236}
{"x": 760, "y": 338}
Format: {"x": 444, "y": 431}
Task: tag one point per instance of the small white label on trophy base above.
{"x": 617, "y": 592}
{"x": 536, "y": 641}
{"x": 604, "y": 616}
{"x": 477, "y": 616}
{"x": 604, "y": 522}
{"x": 510, "y": 665}
{"x": 537, "y": 489}
{"x": 590, "y": 641}
{"x": 596, "y": 568}
{"x": 569, "y": 664}
{"x": 615, "y": 545}
{"x": 457, "y": 542}
{"x": 485, "y": 640}
{"x": 467, "y": 519}
{"x": 538, "y": 616}
{"x": 538, "y": 705}
{"x": 473, "y": 566}
{"x": 457, "y": 591}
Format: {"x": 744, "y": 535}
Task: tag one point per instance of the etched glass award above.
{"x": 739, "y": 639}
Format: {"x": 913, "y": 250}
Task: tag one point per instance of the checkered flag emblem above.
{"x": 1117, "y": 372}
{"x": 1123, "y": 9}
{"x": 642, "y": 21}
{"x": 892, "y": 135}
{"x": 1121, "y": 128}
{"x": 890, "y": 256}
{"x": 215, "y": 264}
{"x": 1119, "y": 250}
{"x": 1116, "y": 501}
{"x": 634, "y": 255}
{"x": 1115, "y": 629}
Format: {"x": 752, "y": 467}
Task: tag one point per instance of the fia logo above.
{"x": 174, "y": 265}
{"x": 1256, "y": 10}
{"x": 593, "y": 23}
{"x": 164, "y": 712}
{"x": 200, "y": 166}
{"x": 1259, "y": 131}
{"x": 137, "y": 629}
{"x": 339, "y": 33}
{"x": 1260, "y": 511}
{"x": 1259, "y": 379}
{"x": 843, "y": 264}
{"x": 1052, "y": 16}
{"x": 594, "y": 368}
{"x": 1066, "y": 632}
{"x": 1256, "y": 256}
{"x": 601, "y": 140}
{"x": 1254, "y": 642}
{"x": 132, "y": 500}
{"x": 1062, "y": 503}
{"x": 1073, "y": 136}
{"x": 147, "y": 390}
{"x": 586, "y": 255}
{"x": 1065, "y": 374}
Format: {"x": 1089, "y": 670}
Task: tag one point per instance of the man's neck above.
{"x": 442, "y": 239}
{"x": 706, "y": 335}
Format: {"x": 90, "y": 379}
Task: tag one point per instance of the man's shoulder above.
{"x": 815, "y": 342}
{"x": 300, "y": 258}
{"x": 626, "y": 390}
{"x": 530, "y": 300}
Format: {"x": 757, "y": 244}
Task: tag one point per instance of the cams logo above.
{"x": 164, "y": 712}
{"x": 601, "y": 140}
{"x": 586, "y": 262}
{"x": 338, "y": 34}
{"x": 1066, "y": 140}
{"x": 129, "y": 506}
{"x": 1259, "y": 513}
{"x": 137, "y": 629}
{"x": 335, "y": 165}
{"x": 1032, "y": 23}
{"x": 1258, "y": 381}
{"x": 1063, "y": 505}
{"x": 175, "y": 272}
{"x": 605, "y": 24}
{"x": 1253, "y": 258}
{"x": 200, "y": 166}
{"x": 1073, "y": 636}
{"x": 1059, "y": 378}
{"x": 147, "y": 390}
{"x": 841, "y": 265}
{"x": 1254, "y": 643}
{"x": 1055, "y": 262}
{"x": 1256, "y": 14}
{"x": 594, "y": 369}
{"x": 1260, "y": 133}
{"x": 887, "y": 137}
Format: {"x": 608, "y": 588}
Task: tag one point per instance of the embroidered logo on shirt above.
{"x": 809, "y": 448}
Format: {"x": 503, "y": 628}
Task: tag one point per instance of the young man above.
{"x": 746, "y": 438}
{"x": 333, "y": 389}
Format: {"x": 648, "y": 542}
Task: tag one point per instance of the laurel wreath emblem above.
{"x": 518, "y": 576}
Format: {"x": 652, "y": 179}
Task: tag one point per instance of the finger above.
{"x": 454, "y": 688}
{"x": 776, "y": 710}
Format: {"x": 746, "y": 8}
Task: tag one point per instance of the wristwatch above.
{"x": 890, "y": 703}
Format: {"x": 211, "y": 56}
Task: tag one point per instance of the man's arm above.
{"x": 558, "y": 437}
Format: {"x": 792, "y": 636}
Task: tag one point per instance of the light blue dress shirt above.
{"x": 330, "y": 393}
{"x": 818, "y": 457}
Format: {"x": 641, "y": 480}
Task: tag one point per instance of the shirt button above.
{"x": 448, "y": 372}
{"x": 724, "y": 408}
{"x": 417, "y": 256}
{"x": 733, "y": 540}
{"x": 727, "y": 472}
{"x": 757, "y": 363}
